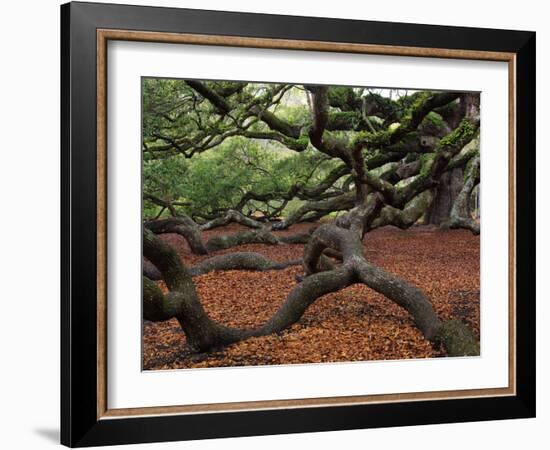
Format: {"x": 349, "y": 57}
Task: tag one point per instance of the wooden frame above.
{"x": 86, "y": 418}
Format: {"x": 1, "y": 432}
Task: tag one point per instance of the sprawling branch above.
{"x": 406, "y": 217}
{"x": 319, "y": 191}
{"x": 320, "y": 139}
{"x": 426, "y": 104}
{"x": 160, "y": 202}
{"x": 203, "y": 333}
{"x": 182, "y": 225}
{"x": 231, "y": 216}
{"x": 213, "y": 97}
{"x": 261, "y": 236}
{"x": 275, "y": 123}
{"x": 240, "y": 261}
{"x": 340, "y": 203}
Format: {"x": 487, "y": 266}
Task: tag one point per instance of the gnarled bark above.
{"x": 404, "y": 294}
{"x": 446, "y": 192}
{"x": 341, "y": 203}
{"x": 460, "y": 216}
{"x": 406, "y": 217}
{"x": 261, "y": 236}
{"x": 150, "y": 271}
{"x": 231, "y": 216}
{"x": 240, "y": 261}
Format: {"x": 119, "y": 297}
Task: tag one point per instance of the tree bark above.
{"x": 182, "y": 225}
{"x": 246, "y": 237}
{"x": 240, "y": 261}
{"x": 446, "y": 193}
{"x": 231, "y": 216}
{"x": 460, "y": 216}
{"x": 150, "y": 271}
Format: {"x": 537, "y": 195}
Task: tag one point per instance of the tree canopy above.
{"x": 299, "y": 152}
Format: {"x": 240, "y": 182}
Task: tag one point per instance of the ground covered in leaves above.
{"x": 355, "y": 324}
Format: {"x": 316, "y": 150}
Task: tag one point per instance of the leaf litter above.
{"x": 354, "y": 324}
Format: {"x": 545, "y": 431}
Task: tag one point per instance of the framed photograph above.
{"x": 278, "y": 224}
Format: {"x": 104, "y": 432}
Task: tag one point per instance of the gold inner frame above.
{"x": 104, "y": 35}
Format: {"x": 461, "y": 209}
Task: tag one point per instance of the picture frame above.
{"x": 86, "y": 28}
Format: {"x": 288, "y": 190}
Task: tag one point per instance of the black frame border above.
{"x": 79, "y": 423}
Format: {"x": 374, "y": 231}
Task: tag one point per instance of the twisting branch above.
{"x": 240, "y": 261}
{"x": 216, "y": 99}
{"x": 182, "y": 225}
{"x": 231, "y": 216}
{"x": 203, "y": 333}
{"x": 319, "y": 138}
{"x": 323, "y": 207}
{"x": 261, "y": 236}
{"x": 191, "y": 232}
{"x": 160, "y": 202}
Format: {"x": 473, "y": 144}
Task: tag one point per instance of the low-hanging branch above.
{"x": 240, "y": 261}
{"x": 231, "y": 216}
{"x": 232, "y": 261}
{"x": 186, "y": 227}
{"x": 182, "y": 225}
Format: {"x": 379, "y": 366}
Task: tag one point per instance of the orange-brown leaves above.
{"x": 355, "y": 324}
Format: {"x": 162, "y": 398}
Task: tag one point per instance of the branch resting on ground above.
{"x": 203, "y": 334}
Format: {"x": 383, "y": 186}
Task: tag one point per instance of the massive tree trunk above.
{"x": 446, "y": 193}
{"x": 461, "y": 214}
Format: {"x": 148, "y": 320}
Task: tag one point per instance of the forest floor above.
{"x": 355, "y": 324}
